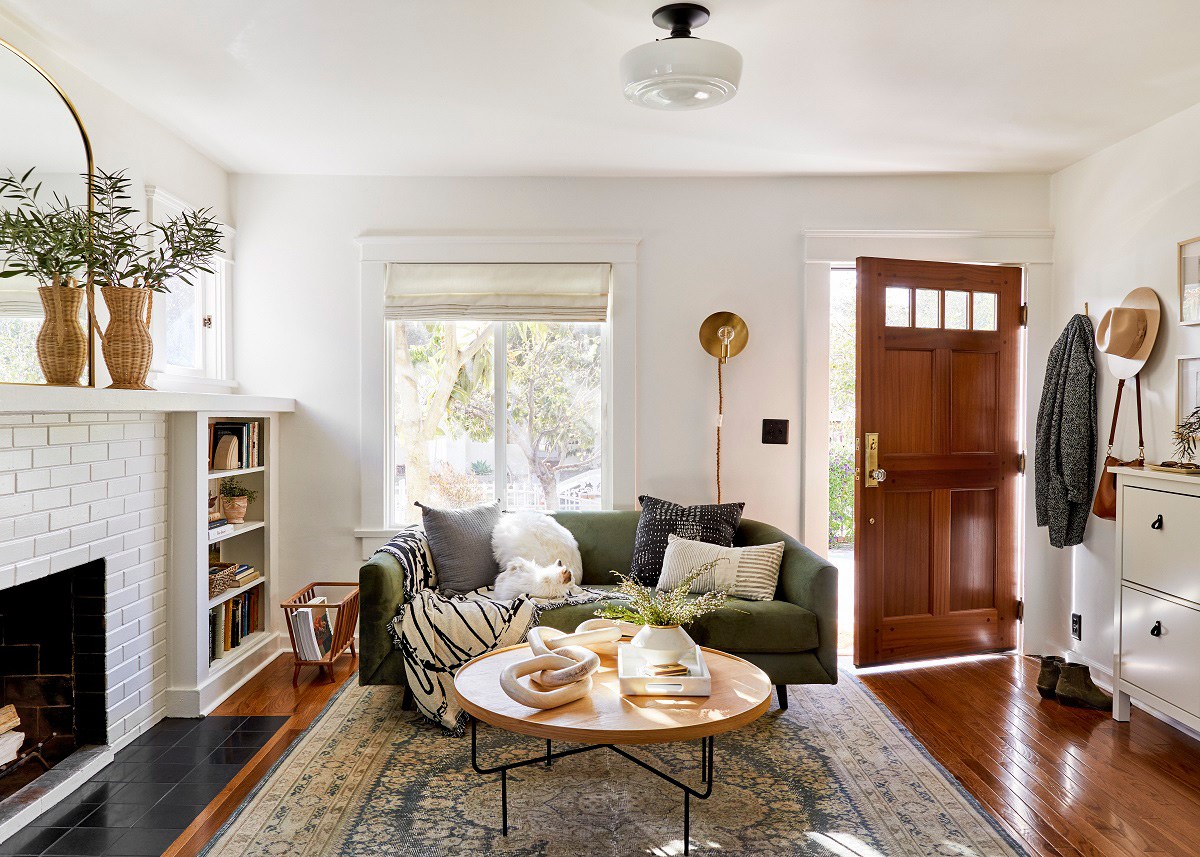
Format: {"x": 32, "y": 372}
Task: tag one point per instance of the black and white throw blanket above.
{"x": 438, "y": 633}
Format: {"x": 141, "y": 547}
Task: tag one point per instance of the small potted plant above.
{"x": 235, "y": 497}
{"x": 662, "y": 613}
{"x": 130, "y": 272}
{"x": 48, "y": 242}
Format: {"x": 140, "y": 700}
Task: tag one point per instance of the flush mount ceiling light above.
{"x": 681, "y": 72}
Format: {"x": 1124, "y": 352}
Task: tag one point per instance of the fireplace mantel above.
{"x": 34, "y": 399}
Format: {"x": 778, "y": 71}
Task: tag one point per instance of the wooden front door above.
{"x": 935, "y": 536}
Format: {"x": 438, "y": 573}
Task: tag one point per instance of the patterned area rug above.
{"x": 833, "y": 775}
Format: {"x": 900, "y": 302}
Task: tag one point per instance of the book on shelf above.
{"x": 232, "y": 621}
{"x": 233, "y": 444}
{"x": 220, "y": 530}
{"x": 244, "y": 574}
{"x": 312, "y": 629}
{"x": 218, "y": 638}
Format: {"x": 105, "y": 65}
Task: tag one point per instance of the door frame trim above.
{"x": 1030, "y": 249}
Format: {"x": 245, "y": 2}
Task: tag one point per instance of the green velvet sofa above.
{"x": 793, "y": 638}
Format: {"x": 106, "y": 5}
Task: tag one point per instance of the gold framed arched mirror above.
{"x": 45, "y": 314}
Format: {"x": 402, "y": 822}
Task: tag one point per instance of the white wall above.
{"x": 707, "y": 244}
{"x": 1118, "y": 215}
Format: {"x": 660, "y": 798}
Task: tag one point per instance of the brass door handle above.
{"x": 874, "y": 473}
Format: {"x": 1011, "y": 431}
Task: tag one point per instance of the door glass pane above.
{"x": 182, "y": 308}
{"x": 929, "y": 311}
{"x": 983, "y": 313}
{"x": 956, "y": 310}
{"x": 444, "y": 401}
{"x": 553, "y": 457}
{"x": 896, "y": 306}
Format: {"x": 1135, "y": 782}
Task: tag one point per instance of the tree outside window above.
{"x": 445, "y": 378}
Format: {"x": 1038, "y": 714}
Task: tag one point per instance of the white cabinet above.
{"x": 1158, "y": 594}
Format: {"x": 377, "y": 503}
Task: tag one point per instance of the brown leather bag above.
{"x": 1105, "y": 504}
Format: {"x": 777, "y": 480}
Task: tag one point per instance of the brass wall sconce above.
{"x": 723, "y": 335}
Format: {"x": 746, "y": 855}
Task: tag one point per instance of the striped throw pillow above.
{"x": 750, "y": 572}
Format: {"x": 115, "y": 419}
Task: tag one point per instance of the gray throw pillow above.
{"x": 460, "y": 541}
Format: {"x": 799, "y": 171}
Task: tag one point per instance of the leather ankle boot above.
{"x": 1075, "y": 687}
{"x": 1047, "y": 679}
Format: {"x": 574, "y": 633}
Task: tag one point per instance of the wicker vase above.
{"x": 126, "y": 342}
{"x": 61, "y": 343}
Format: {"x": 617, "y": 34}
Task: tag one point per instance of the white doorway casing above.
{"x": 1030, "y": 249}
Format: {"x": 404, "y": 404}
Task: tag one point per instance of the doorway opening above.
{"x": 843, "y": 286}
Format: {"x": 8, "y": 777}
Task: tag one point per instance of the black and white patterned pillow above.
{"x": 662, "y": 518}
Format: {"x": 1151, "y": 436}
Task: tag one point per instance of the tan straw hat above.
{"x": 1127, "y": 332}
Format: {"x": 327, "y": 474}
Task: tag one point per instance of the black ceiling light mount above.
{"x": 681, "y": 18}
{"x": 681, "y": 72}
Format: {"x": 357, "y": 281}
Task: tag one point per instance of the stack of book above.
{"x": 218, "y": 529}
{"x": 312, "y": 630}
{"x": 244, "y": 574}
{"x": 229, "y": 624}
{"x": 233, "y": 445}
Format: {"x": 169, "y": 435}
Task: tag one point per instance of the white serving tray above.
{"x": 633, "y": 682}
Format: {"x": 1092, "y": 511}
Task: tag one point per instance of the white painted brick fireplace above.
{"x": 86, "y": 486}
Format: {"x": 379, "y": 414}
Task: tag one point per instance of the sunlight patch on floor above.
{"x": 844, "y": 845}
{"x": 920, "y": 665}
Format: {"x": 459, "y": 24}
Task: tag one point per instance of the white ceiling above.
{"x": 529, "y": 87}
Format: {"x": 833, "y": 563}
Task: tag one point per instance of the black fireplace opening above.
{"x": 52, "y": 652}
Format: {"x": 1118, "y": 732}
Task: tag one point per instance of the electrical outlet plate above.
{"x": 775, "y": 431}
{"x": 1077, "y": 626}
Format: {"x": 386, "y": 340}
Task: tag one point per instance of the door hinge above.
{"x": 1024, "y": 315}
{"x": 206, "y": 321}
{"x": 1020, "y": 610}
{"x": 1021, "y": 462}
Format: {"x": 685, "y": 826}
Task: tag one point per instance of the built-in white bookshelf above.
{"x": 200, "y": 681}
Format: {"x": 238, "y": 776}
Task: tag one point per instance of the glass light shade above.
{"x": 681, "y": 74}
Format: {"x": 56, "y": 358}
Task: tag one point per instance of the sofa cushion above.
{"x": 460, "y": 541}
{"x": 739, "y": 626}
{"x": 715, "y": 524}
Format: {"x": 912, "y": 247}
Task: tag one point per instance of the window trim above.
{"x": 216, "y": 300}
{"x": 620, "y": 351}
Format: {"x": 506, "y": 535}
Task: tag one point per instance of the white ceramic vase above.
{"x": 663, "y": 644}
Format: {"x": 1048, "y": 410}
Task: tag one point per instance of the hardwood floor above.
{"x": 269, "y": 692}
{"x": 1064, "y": 781}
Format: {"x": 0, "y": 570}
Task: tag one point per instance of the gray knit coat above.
{"x": 1064, "y": 465}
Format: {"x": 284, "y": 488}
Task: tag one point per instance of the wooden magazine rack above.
{"x": 345, "y": 619}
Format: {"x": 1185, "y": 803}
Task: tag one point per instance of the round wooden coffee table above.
{"x": 741, "y": 693}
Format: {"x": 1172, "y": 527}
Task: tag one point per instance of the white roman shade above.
{"x": 498, "y": 292}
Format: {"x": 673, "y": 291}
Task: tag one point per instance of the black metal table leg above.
{"x": 706, "y": 774}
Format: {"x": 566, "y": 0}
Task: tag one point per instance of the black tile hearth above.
{"x": 156, "y": 787}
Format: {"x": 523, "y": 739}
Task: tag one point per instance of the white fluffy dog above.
{"x": 534, "y": 550}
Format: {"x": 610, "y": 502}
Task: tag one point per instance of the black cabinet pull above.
{"x": 1158, "y": 523}
{"x": 1156, "y": 631}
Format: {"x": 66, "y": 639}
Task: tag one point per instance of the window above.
{"x": 190, "y": 323}
{"x": 451, "y": 448}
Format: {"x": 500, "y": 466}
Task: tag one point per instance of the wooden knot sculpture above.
{"x": 562, "y": 662}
